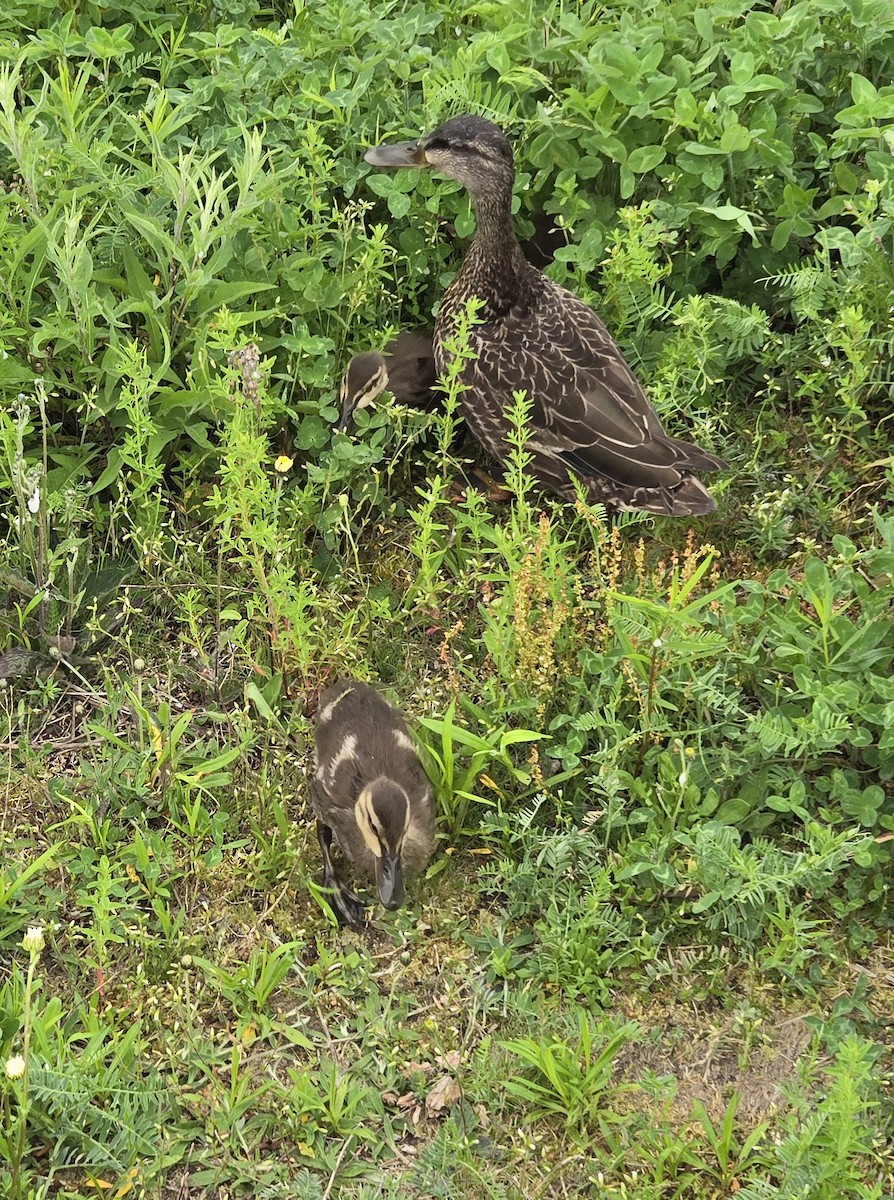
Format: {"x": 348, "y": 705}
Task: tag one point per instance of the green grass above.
{"x": 652, "y": 955}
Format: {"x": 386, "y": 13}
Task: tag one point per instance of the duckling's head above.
{"x": 471, "y": 150}
{"x": 365, "y": 379}
{"x": 382, "y": 813}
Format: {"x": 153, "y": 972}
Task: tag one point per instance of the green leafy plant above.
{"x": 457, "y": 760}
{"x": 570, "y": 1078}
{"x": 253, "y": 982}
{"x": 733, "y": 1158}
{"x": 827, "y": 1148}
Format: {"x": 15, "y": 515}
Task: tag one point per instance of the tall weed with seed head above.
{"x": 251, "y": 516}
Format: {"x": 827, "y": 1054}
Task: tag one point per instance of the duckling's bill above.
{"x": 390, "y": 880}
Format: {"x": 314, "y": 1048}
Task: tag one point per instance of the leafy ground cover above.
{"x": 652, "y": 957}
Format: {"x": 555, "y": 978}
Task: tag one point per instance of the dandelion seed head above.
{"x": 15, "y": 1067}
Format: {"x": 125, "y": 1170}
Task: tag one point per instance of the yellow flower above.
{"x": 283, "y": 464}
{"x": 15, "y": 1067}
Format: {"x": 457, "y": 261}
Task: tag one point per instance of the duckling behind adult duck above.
{"x": 406, "y": 368}
{"x": 370, "y": 791}
{"x": 590, "y": 416}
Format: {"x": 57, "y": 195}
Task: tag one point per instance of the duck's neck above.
{"x": 493, "y": 218}
{"x": 494, "y": 264}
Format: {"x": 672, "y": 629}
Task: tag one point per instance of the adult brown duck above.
{"x": 590, "y": 417}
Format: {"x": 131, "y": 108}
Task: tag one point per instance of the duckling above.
{"x": 590, "y": 418}
{"x": 406, "y": 368}
{"x": 371, "y": 792}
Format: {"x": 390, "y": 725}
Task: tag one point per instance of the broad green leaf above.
{"x": 109, "y": 43}
{"x": 731, "y": 812}
{"x": 704, "y": 26}
{"x": 741, "y": 67}
{"x": 685, "y": 106}
{"x": 646, "y": 158}
{"x": 735, "y": 138}
{"x": 863, "y": 92}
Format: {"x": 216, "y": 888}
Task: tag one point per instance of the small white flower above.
{"x": 657, "y": 644}
{"x": 15, "y": 1066}
{"x": 33, "y": 941}
{"x": 34, "y": 501}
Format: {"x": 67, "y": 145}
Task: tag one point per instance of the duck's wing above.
{"x": 589, "y": 409}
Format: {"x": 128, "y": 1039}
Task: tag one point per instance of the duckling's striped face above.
{"x": 382, "y": 813}
{"x": 364, "y": 380}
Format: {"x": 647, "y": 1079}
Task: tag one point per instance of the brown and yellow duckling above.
{"x": 406, "y": 368}
{"x": 590, "y": 418}
{"x": 371, "y": 793}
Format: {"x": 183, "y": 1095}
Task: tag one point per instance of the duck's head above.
{"x": 365, "y": 378}
{"x": 469, "y": 149}
{"x": 382, "y": 813}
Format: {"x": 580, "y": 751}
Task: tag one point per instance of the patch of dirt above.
{"x": 711, "y": 1063}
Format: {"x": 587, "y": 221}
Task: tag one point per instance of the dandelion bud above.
{"x": 33, "y": 940}
{"x": 15, "y": 1067}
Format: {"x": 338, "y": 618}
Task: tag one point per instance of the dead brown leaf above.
{"x": 444, "y": 1094}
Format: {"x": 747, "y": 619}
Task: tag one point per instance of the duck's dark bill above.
{"x": 401, "y": 154}
{"x": 390, "y": 881}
